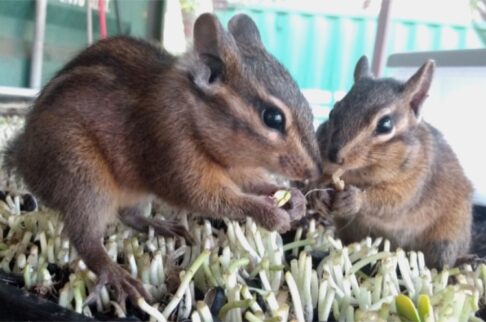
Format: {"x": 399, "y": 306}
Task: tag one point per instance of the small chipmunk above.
{"x": 401, "y": 179}
{"x": 123, "y": 122}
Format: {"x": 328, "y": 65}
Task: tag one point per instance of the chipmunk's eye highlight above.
{"x": 385, "y": 125}
{"x": 274, "y": 118}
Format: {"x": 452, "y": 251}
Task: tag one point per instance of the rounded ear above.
{"x": 215, "y": 49}
{"x": 417, "y": 87}
{"x": 362, "y": 69}
{"x": 245, "y": 31}
{"x": 207, "y": 35}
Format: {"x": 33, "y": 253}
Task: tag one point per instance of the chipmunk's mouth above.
{"x": 331, "y": 168}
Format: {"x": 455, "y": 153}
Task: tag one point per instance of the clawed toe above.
{"x": 123, "y": 284}
{"x": 170, "y": 228}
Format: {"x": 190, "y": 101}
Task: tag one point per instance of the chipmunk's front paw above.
{"x": 266, "y": 213}
{"x": 347, "y": 202}
{"x": 296, "y": 206}
{"x": 277, "y": 219}
{"x": 319, "y": 200}
{"x": 123, "y": 284}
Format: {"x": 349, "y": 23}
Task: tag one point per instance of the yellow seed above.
{"x": 282, "y": 197}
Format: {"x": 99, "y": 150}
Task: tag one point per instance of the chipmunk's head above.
{"x": 376, "y": 121}
{"x": 253, "y": 113}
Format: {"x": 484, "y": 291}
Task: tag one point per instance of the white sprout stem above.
{"x": 185, "y": 282}
{"x": 235, "y": 307}
{"x": 154, "y": 270}
{"x": 367, "y": 260}
{"x": 264, "y": 279}
{"x": 17, "y": 204}
{"x": 482, "y": 273}
{"x": 195, "y": 317}
{"x": 405, "y": 272}
{"x": 349, "y": 317}
{"x": 43, "y": 243}
{"x": 78, "y": 285}
{"x": 209, "y": 274}
{"x": 186, "y": 260}
{"x": 133, "y": 265}
{"x": 105, "y": 297}
{"x": 230, "y": 232}
{"x": 314, "y": 288}
{"x": 298, "y": 236}
{"x": 376, "y": 290}
{"x": 250, "y": 317}
{"x": 294, "y": 293}
{"x": 118, "y": 310}
{"x": 204, "y": 312}
{"x": 51, "y": 258}
{"x": 46, "y": 276}
{"x": 245, "y": 244}
{"x": 21, "y": 260}
{"x": 354, "y": 285}
{"x": 283, "y": 312}
{"x": 272, "y": 302}
{"x": 379, "y": 304}
{"x": 28, "y": 276}
{"x": 215, "y": 268}
{"x": 150, "y": 310}
{"x": 186, "y": 305}
{"x": 245, "y": 293}
{"x": 65, "y": 296}
{"x": 231, "y": 276}
{"x": 259, "y": 243}
{"x": 306, "y": 275}
{"x": 327, "y": 304}
{"x": 144, "y": 264}
{"x": 323, "y": 286}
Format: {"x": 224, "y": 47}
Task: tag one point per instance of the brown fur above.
{"x": 406, "y": 186}
{"x": 123, "y": 122}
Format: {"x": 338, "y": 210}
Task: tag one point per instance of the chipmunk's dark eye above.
{"x": 274, "y": 118}
{"x": 385, "y": 125}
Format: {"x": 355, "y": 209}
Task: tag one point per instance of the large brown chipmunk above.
{"x": 402, "y": 180}
{"x": 124, "y": 122}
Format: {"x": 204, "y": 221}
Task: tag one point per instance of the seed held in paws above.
{"x": 282, "y": 197}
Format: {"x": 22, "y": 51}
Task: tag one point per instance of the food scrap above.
{"x": 337, "y": 181}
{"x": 282, "y": 197}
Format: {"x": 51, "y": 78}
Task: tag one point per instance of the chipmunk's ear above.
{"x": 245, "y": 31}
{"x": 215, "y": 49}
{"x": 362, "y": 69}
{"x": 417, "y": 87}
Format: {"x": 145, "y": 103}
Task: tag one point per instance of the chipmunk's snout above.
{"x": 314, "y": 173}
{"x": 298, "y": 168}
{"x": 335, "y": 155}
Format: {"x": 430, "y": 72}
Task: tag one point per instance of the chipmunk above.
{"x": 402, "y": 180}
{"x": 124, "y": 121}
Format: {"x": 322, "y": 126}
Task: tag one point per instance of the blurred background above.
{"x": 319, "y": 41}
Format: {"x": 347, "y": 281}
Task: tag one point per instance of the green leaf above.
{"x": 425, "y": 308}
{"x": 406, "y": 309}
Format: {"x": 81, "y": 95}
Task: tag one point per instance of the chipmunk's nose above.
{"x": 334, "y": 155}
{"x": 314, "y": 172}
